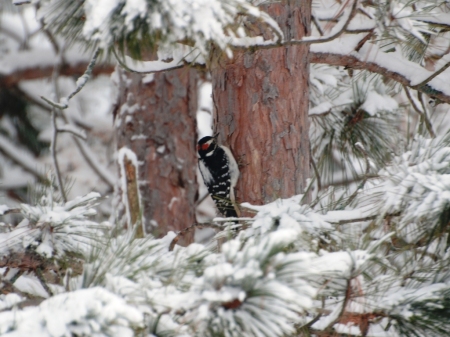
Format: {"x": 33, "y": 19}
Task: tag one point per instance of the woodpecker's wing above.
{"x": 233, "y": 168}
{"x": 215, "y": 170}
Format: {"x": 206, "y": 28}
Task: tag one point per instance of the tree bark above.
{"x": 261, "y": 110}
{"x": 156, "y": 119}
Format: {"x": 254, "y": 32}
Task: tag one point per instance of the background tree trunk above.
{"x": 156, "y": 118}
{"x": 261, "y": 110}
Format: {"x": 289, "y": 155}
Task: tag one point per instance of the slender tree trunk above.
{"x": 261, "y": 110}
{"x": 156, "y": 119}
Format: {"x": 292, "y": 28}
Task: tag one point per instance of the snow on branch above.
{"x": 87, "y": 312}
{"x": 177, "y": 57}
{"x": 131, "y": 195}
{"x": 259, "y": 43}
{"x": 53, "y": 228}
{"x": 81, "y": 82}
{"x": 165, "y": 23}
{"x": 342, "y": 52}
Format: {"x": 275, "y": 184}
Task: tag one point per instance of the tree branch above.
{"x": 53, "y": 143}
{"x": 72, "y": 130}
{"x": 429, "y": 78}
{"x": 360, "y": 62}
{"x": 85, "y": 152}
{"x": 34, "y": 72}
{"x": 333, "y": 36}
{"x": 305, "y": 40}
{"x": 159, "y": 66}
{"x": 90, "y": 158}
{"x": 81, "y": 82}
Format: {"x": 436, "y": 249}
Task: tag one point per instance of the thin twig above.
{"x": 344, "y": 222}
{"x": 16, "y": 276}
{"x": 422, "y": 114}
{"x": 87, "y": 155}
{"x": 54, "y": 156}
{"x": 429, "y": 78}
{"x": 54, "y": 104}
{"x": 10, "y": 211}
{"x": 41, "y": 279}
{"x": 316, "y": 171}
{"x": 337, "y": 34}
{"x": 367, "y": 218}
{"x": 317, "y": 25}
{"x": 81, "y": 82}
{"x": 307, "y": 40}
{"x": 364, "y": 40}
{"x": 315, "y": 319}
{"x": 90, "y": 158}
{"x": 199, "y": 225}
{"x": 348, "y": 293}
{"x": 53, "y": 143}
{"x": 425, "y": 115}
{"x": 69, "y": 129}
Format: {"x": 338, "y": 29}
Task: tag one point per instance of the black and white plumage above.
{"x": 220, "y": 173}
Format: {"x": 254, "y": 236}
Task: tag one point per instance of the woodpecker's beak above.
{"x": 216, "y": 135}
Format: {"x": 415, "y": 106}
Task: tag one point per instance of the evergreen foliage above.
{"x": 368, "y": 257}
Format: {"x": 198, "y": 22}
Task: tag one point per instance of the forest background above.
{"x": 337, "y": 113}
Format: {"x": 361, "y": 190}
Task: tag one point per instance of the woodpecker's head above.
{"x": 206, "y": 146}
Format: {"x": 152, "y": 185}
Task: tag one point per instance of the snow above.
{"x": 97, "y": 17}
{"x": 3, "y": 209}
{"x": 393, "y": 62}
{"x": 30, "y": 284}
{"x": 53, "y": 228}
{"x": 21, "y": 156}
{"x": 376, "y": 103}
{"x": 321, "y": 108}
{"x": 270, "y": 273}
{"x": 93, "y": 312}
{"x": 199, "y": 21}
{"x": 9, "y": 300}
{"x": 347, "y": 329}
{"x": 336, "y": 216}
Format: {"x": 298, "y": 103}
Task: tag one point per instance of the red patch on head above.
{"x": 205, "y": 146}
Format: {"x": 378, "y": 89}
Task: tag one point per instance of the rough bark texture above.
{"x": 156, "y": 119}
{"x": 261, "y": 110}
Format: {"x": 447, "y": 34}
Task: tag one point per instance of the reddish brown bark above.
{"x": 261, "y": 106}
{"x": 157, "y": 121}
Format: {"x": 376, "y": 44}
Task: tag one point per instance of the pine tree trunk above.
{"x": 156, "y": 119}
{"x": 261, "y": 110}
